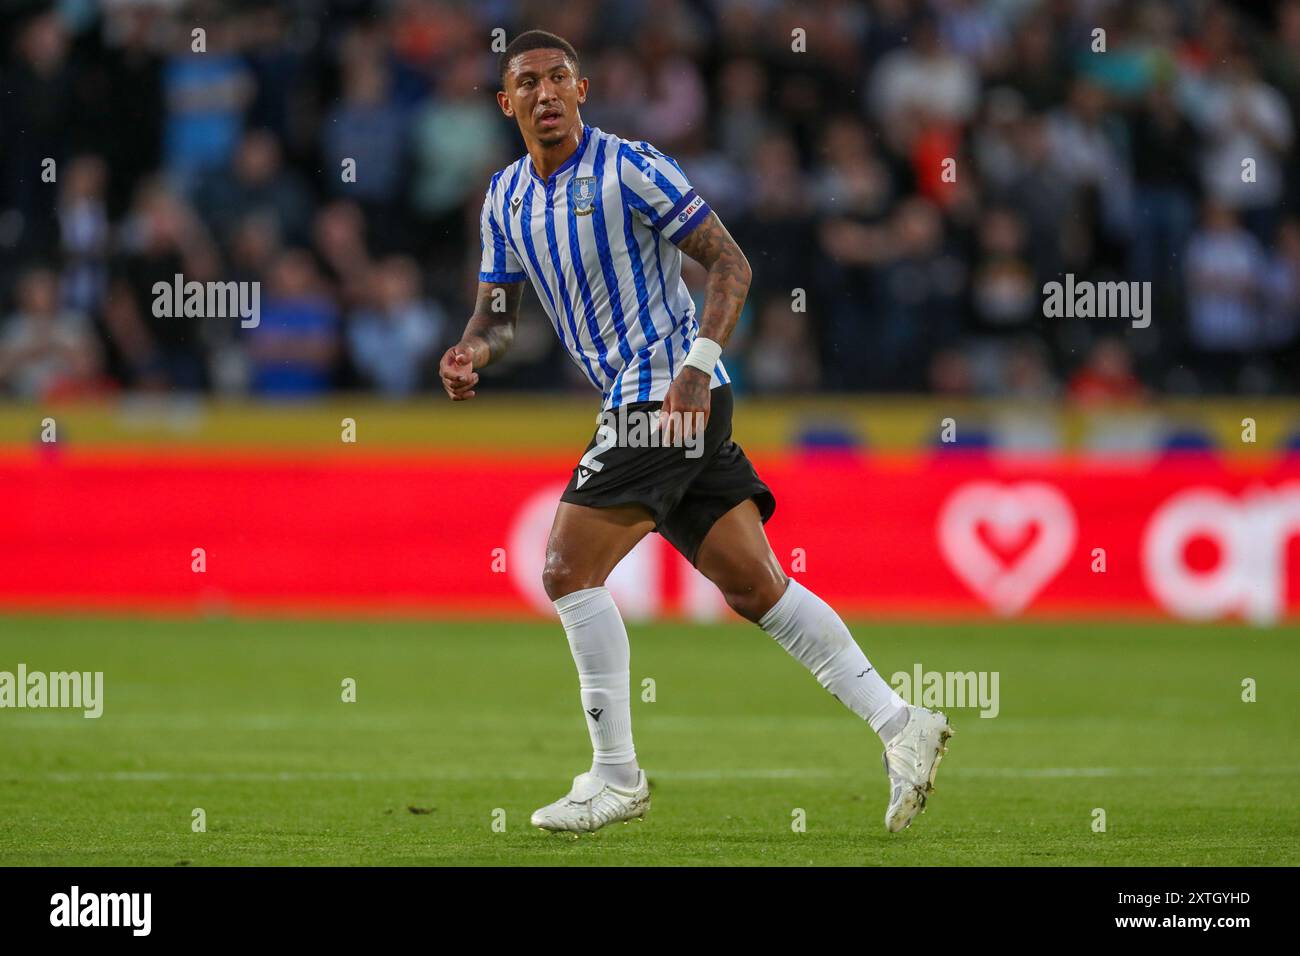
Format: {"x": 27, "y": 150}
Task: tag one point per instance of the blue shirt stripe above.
{"x": 606, "y": 259}
{"x": 584, "y": 287}
{"x": 553, "y": 246}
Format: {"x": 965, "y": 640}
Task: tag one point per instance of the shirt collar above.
{"x": 567, "y": 164}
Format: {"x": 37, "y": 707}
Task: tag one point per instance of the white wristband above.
{"x": 704, "y": 355}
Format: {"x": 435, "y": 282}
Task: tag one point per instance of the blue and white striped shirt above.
{"x": 597, "y": 240}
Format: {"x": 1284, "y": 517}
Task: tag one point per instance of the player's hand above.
{"x": 457, "y": 372}
{"x": 685, "y": 412}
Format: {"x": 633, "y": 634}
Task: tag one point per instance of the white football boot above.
{"x": 592, "y": 803}
{"x": 911, "y": 760}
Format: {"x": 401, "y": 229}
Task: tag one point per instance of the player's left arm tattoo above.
{"x": 724, "y": 296}
{"x": 729, "y": 275}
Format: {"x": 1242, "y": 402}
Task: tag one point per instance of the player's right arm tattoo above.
{"x": 491, "y": 329}
{"x": 729, "y": 274}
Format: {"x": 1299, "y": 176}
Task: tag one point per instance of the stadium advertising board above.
{"x": 1194, "y": 538}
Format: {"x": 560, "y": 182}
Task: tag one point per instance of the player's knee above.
{"x": 743, "y": 602}
{"x": 560, "y": 577}
{"x": 757, "y": 594}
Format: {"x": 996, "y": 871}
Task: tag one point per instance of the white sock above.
{"x": 814, "y": 635}
{"x": 600, "y": 649}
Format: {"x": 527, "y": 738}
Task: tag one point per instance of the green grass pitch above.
{"x": 463, "y": 721}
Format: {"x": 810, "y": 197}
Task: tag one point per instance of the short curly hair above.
{"x": 534, "y": 40}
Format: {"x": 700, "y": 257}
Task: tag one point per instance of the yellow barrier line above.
{"x": 518, "y": 422}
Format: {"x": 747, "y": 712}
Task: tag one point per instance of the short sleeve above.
{"x": 497, "y": 262}
{"x": 655, "y": 187}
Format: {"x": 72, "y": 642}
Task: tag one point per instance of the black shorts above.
{"x": 685, "y": 489}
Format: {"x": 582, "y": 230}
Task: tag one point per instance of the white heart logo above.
{"x": 1008, "y": 514}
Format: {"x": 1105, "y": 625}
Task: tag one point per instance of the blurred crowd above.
{"x": 904, "y": 176}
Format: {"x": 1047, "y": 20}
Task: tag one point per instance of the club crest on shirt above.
{"x": 582, "y": 193}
